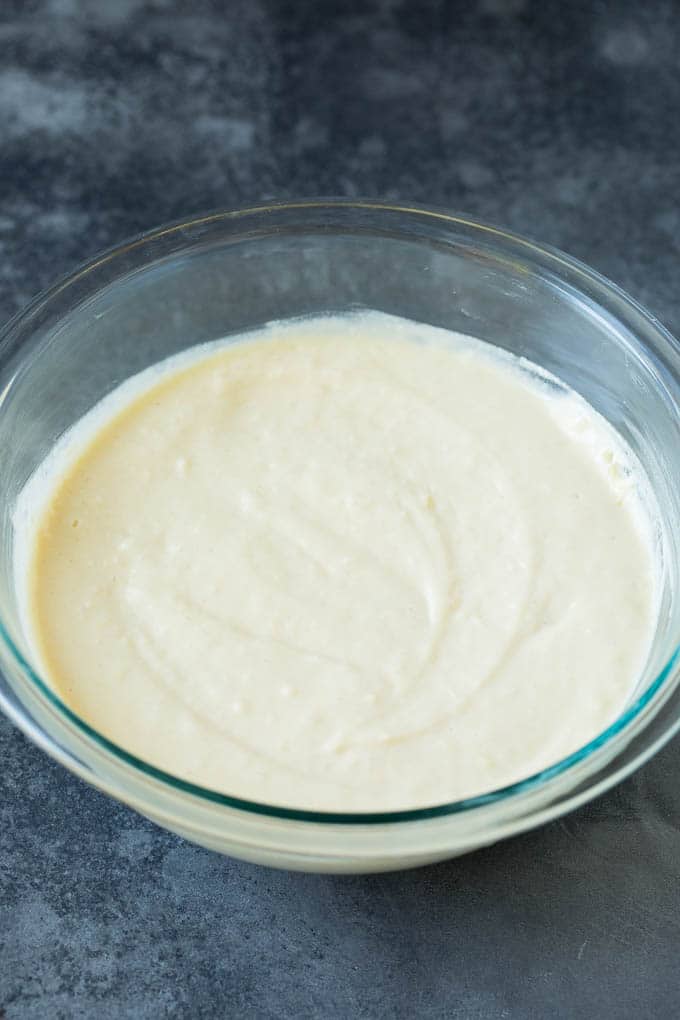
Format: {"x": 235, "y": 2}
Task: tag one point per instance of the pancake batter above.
{"x": 349, "y": 563}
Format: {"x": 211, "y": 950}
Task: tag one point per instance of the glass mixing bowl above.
{"x": 223, "y": 273}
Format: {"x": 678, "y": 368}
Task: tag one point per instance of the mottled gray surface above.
{"x": 557, "y": 119}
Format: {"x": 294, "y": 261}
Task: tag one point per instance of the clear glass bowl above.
{"x": 219, "y": 274}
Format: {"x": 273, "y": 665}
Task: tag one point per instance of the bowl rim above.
{"x": 622, "y": 727}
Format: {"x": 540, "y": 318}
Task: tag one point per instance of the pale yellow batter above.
{"x": 347, "y": 563}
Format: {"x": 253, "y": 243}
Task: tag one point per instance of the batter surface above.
{"x": 345, "y": 563}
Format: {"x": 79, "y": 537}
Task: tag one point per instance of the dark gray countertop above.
{"x": 557, "y": 119}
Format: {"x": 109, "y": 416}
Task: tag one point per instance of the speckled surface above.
{"x": 556, "y": 119}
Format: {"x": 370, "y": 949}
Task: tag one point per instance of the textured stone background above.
{"x": 557, "y": 119}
